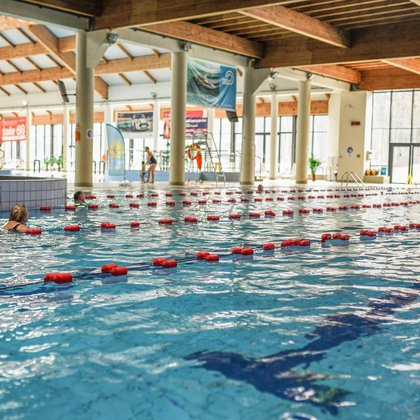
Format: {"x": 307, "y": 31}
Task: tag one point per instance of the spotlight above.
{"x": 111, "y": 38}
{"x": 186, "y": 46}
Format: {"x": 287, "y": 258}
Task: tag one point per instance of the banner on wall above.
{"x": 135, "y": 124}
{"x": 211, "y": 85}
{"x": 13, "y": 129}
{"x": 196, "y": 123}
{"x": 116, "y": 151}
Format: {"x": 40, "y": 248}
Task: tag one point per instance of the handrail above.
{"x": 37, "y": 161}
{"x": 101, "y": 165}
{"x": 350, "y": 174}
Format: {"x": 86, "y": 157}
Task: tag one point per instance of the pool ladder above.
{"x": 356, "y": 178}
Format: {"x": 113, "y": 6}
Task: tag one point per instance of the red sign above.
{"x": 13, "y": 129}
{"x": 196, "y": 122}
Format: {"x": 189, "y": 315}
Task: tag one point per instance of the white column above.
{"x": 156, "y": 116}
{"x": 66, "y": 137}
{"x": 211, "y": 115}
{"x": 303, "y": 119}
{"x": 28, "y": 139}
{"x": 178, "y": 114}
{"x": 108, "y": 119}
{"x": 247, "y": 176}
{"x": 274, "y": 137}
{"x": 84, "y": 115}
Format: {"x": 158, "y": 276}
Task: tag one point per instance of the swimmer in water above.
{"x": 18, "y": 217}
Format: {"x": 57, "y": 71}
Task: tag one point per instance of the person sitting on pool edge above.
{"x": 79, "y": 197}
{"x": 18, "y": 217}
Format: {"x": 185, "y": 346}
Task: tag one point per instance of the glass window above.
{"x": 401, "y": 108}
{"x": 381, "y": 109}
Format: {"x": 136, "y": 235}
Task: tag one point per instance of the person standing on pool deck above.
{"x": 151, "y": 160}
{"x": 18, "y": 217}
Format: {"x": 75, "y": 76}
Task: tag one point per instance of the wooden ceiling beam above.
{"x": 21, "y": 51}
{"x": 25, "y": 92}
{"x": 336, "y": 72}
{"x": 145, "y": 62}
{"x": 197, "y": 34}
{"x": 39, "y": 87}
{"x": 78, "y": 7}
{"x": 416, "y": 2}
{"x": 7, "y": 23}
{"x": 149, "y": 62}
{"x": 4, "y": 91}
{"x": 368, "y": 44}
{"x": 408, "y": 64}
{"x": 50, "y": 42}
{"x": 388, "y": 79}
{"x": 128, "y": 13}
{"x": 300, "y": 23}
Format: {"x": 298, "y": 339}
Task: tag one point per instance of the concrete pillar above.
{"x": 352, "y": 132}
{"x": 156, "y": 116}
{"x": 247, "y": 176}
{"x": 28, "y": 139}
{"x": 178, "y": 115}
{"x": 108, "y": 119}
{"x": 274, "y": 138}
{"x": 303, "y": 120}
{"x": 84, "y": 115}
{"x": 66, "y": 137}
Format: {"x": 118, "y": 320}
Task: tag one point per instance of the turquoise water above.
{"x": 325, "y": 332}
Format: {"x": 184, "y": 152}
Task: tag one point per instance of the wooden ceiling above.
{"x": 374, "y": 44}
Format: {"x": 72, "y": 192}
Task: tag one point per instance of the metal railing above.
{"x": 356, "y": 178}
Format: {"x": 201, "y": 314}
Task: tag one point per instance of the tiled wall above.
{"x": 33, "y": 193}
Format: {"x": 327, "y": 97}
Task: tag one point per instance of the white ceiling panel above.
{"x": 137, "y": 50}
{"x": 15, "y": 37}
{"x": 23, "y": 64}
{"x": 113, "y": 79}
{"x": 161, "y": 75}
{"x": 43, "y": 61}
{"x": 29, "y": 87}
{"x": 113, "y": 53}
{"x": 13, "y": 90}
{"x": 6, "y": 67}
{"x": 59, "y": 32}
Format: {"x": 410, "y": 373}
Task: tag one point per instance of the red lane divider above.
{"x": 254, "y": 215}
{"x": 114, "y": 206}
{"x": 134, "y": 224}
{"x": 365, "y": 233}
{"x": 134, "y": 205}
{"x": 165, "y": 221}
{"x": 33, "y": 231}
{"x": 268, "y": 247}
{"x": 70, "y": 207}
{"x": 213, "y": 218}
{"x": 269, "y": 213}
{"x": 45, "y": 208}
{"x": 169, "y": 264}
{"x": 234, "y": 216}
{"x": 106, "y": 268}
{"x": 93, "y": 206}
{"x": 119, "y": 271}
{"x": 190, "y": 219}
{"x": 211, "y": 258}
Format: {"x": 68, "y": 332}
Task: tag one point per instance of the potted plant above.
{"x": 60, "y": 162}
{"x": 314, "y": 164}
{"x": 47, "y": 162}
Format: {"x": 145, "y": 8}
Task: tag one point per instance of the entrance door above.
{"x": 405, "y": 161}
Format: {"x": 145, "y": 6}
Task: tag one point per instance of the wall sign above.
{"x": 13, "y": 129}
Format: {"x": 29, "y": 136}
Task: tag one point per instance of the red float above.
{"x": 33, "y": 231}
{"x": 212, "y": 258}
{"x": 70, "y": 207}
{"x": 152, "y": 204}
{"x": 186, "y": 203}
{"x": 72, "y": 228}
{"x": 268, "y": 247}
{"x": 234, "y": 216}
{"x": 107, "y": 225}
{"x": 247, "y": 251}
{"x": 93, "y": 206}
{"x": 58, "y": 278}
{"x": 190, "y": 219}
{"x": 169, "y": 264}
{"x": 134, "y": 224}
{"x": 114, "y": 206}
{"x": 213, "y": 218}
{"x": 106, "y": 268}
{"x": 134, "y": 205}
{"x": 119, "y": 271}
{"x": 157, "y": 262}
{"x": 45, "y": 208}
{"x": 201, "y": 255}
{"x": 254, "y": 215}
{"x": 237, "y": 250}
{"x": 269, "y": 213}
{"x": 165, "y": 221}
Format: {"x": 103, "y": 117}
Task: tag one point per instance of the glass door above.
{"x": 400, "y": 163}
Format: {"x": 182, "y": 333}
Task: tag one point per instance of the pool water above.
{"x": 326, "y": 331}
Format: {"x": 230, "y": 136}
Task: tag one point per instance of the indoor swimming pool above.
{"x": 325, "y": 329}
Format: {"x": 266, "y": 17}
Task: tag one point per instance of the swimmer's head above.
{"x": 79, "y": 197}
{"x": 19, "y": 214}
